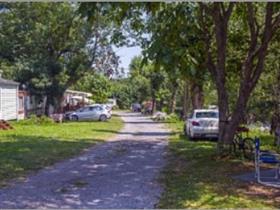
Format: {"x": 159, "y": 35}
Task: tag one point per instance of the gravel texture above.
{"x": 121, "y": 173}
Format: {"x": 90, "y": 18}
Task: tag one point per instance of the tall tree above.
{"x": 49, "y": 46}
{"x": 177, "y": 45}
{"x": 252, "y": 66}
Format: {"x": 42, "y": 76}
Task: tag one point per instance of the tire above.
{"x": 248, "y": 148}
{"x": 185, "y": 131}
{"x": 103, "y": 118}
{"x": 191, "y": 138}
{"x": 75, "y": 118}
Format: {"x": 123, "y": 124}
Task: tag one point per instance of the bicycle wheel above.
{"x": 248, "y": 148}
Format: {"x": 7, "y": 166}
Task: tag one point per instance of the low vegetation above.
{"x": 31, "y": 146}
{"x": 196, "y": 178}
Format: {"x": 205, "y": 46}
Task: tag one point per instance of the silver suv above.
{"x": 94, "y": 112}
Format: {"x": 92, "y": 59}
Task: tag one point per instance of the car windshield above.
{"x": 207, "y": 115}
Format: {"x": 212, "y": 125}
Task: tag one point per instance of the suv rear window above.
{"x": 207, "y": 115}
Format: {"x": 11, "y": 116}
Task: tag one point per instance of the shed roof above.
{"x": 75, "y": 92}
{"x": 8, "y": 82}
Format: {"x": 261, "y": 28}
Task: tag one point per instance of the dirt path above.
{"x": 121, "y": 173}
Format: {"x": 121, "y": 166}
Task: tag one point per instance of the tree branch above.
{"x": 229, "y": 10}
{"x": 207, "y": 39}
{"x": 262, "y": 50}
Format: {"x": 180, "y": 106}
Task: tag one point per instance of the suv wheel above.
{"x": 103, "y": 118}
{"x": 185, "y": 131}
{"x": 75, "y": 118}
{"x": 191, "y": 137}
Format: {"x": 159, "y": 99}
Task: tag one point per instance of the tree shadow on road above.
{"x": 112, "y": 175}
{"x": 144, "y": 133}
{"x": 24, "y": 153}
{"x": 146, "y": 122}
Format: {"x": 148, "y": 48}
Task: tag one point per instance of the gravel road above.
{"x": 121, "y": 173}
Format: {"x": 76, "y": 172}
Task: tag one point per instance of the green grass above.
{"x": 196, "y": 178}
{"x": 32, "y": 147}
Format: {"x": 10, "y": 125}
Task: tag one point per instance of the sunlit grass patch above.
{"x": 196, "y": 178}
{"x": 32, "y": 147}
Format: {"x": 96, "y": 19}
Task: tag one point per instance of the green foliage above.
{"x": 97, "y": 84}
{"x": 143, "y": 83}
{"x": 172, "y": 118}
{"x": 49, "y": 46}
{"x": 122, "y": 91}
{"x": 34, "y": 120}
{"x": 265, "y": 98}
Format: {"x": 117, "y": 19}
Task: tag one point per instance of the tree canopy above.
{"x": 49, "y": 46}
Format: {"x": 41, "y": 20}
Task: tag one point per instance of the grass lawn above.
{"x": 32, "y": 147}
{"x": 196, "y": 178}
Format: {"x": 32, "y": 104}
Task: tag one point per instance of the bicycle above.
{"x": 245, "y": 146}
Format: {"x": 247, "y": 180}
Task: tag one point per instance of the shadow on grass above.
{"x": 23, "y": 153}
{"x": 196, "y": 178}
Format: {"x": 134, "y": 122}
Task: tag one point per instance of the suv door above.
{"x": 84, "y": 113}
{"x": 97, "y": 111}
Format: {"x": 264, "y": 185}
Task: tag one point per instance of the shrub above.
{"x": 172, "y": 118}
{"x": 34, "y": 120}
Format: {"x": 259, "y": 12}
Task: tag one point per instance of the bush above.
{"x": 116, "y": 107}
{"x": 172, "y": 118}
{"x": 34, "y": 120}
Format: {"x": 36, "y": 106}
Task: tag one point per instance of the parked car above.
{"x": 108, "y": 107}
{"x": 203, "y": 123}
{"x": 136, "y": 107}
{"x": 147, "y": 107}
{"x": 92, "y": 112}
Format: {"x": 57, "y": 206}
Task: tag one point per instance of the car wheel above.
{"x": 185, "y": 131}
{"x": 191, "y": 137}
{"x": 103, "y": 118}
{"x": 75, "y": 118}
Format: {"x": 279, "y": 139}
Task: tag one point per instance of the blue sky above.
{"x": 126, "y": 54}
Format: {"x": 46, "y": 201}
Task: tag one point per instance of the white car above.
{"x": 203, "y": 123}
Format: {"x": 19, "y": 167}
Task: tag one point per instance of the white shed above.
{"x": 8, "y": 99}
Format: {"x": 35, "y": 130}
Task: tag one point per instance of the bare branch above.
{"x": 262, "y": 50}
{"x": 247, "y": 66}
{"x": 205, "y": 8}
{"x": 251, "y": 20}
{"x": 207, "y": 39}
{"x": 229, "y": 10}
{"x": 223, "y": 8}
{"x": 276, "y": 23}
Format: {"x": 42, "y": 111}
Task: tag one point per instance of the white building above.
{"x": 8, "y": 99}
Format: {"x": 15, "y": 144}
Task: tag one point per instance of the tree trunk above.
{"x": 153, "y": 105}
{"x": 172, "y": 104}
{"x": 197, "y": 96}
{"x": 48, "y": 104}
{"x": 186, "y": 99}
{"x": 160, "y": 104}
{"x": 54, "y": 101}
{"x": 252, "y": 67}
